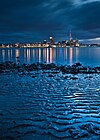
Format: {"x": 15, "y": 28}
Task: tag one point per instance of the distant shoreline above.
{"x": 52, "y": 47}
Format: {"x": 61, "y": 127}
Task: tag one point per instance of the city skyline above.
{"x": 30, "y": 21}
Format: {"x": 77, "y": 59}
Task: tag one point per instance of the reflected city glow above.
{"x": 47, "y": 56}
{"x": 51, "y": 55}
{"x": 17, "y": 52}
{"x": 39, "y": 55}
{"x": 11, "y": 53}
{"x": 77, "y": 54}
{"x": 25, "y": 55}
{"x": 65, "y": 54}
{"x": 28, "y": 55}
{"x": 70, "y": 56}
{"x": 44, "y": 54}
{"x": 9, "y": 56}
{"x": 3, "y": 54}
{"x": 90, "y": 56}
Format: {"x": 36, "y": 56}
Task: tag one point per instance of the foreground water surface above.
{"x": 45, "y": 107}
{"x": 86, "y": 55}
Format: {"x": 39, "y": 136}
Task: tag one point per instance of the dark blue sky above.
{"x": 35, "y": 20}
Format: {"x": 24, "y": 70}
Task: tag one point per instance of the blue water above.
{"x": 89, "y": 56}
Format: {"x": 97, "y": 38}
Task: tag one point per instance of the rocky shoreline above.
{"x": 76, "y": 68}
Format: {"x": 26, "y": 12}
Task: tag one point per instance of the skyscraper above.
{"x": 70, "y": 37}
{"x": 70, "y": 42}
{"x": 51, "y": 40}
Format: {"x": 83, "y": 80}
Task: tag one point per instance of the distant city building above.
{"x": 64, "y": 43}
{"x": 71, "y": 42}
{"x": 51, "y": 40}
{"x": 70, "y": 36}
{"x": 50, "y": 43}
{"x": 44, "y": 42}
{"x": 76, "y": 43}
{"x": 59, "y": 44}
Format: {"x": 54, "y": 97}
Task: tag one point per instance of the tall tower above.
{"x": 51, "y": 41}
{"x": 70, "y": 36}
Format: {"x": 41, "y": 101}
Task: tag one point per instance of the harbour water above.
{"x": 49, "y": 104}
{"x": 86, "y": 55}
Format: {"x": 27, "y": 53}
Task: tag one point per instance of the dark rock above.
{"x": 88, "y": 77}
{"x": 55, "y": 72}
{"x": 14, "y": 65}
{"x": 76, "y": 65}
{"x": 2, "y": 71}
{"x": 74, "y": 78}
{"x": 33, "y": 76}
{"x": 64, "y": 69}
{"x": 50, "y": 66}
{"x": 50, "y": 75}
{"x": 43, "y": 66}
{"x": 2, "y": 66}
{"x": 74, "y": 71}
{"x": 97, "y": 68}
{"x": 23, "y": 73}
{"x": 66, "y": 77}
{"x": 31, "y": 67}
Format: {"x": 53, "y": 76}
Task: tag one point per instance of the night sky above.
{"x": 36, "y": 20}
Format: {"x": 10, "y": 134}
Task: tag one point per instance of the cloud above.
{"x": 82, "y": 2}
{"x": 87, "y": 17}
{"x": 22, "y": 20}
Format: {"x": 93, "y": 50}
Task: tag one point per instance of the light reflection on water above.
{"x": 88, "y": 56}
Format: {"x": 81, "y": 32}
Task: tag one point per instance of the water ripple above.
{"x": 51, "y": 108}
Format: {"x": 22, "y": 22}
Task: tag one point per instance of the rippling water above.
{"x": 37, "y": 106}
{"x": 49, "y": 108}
{"x": 86, "y": 55}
